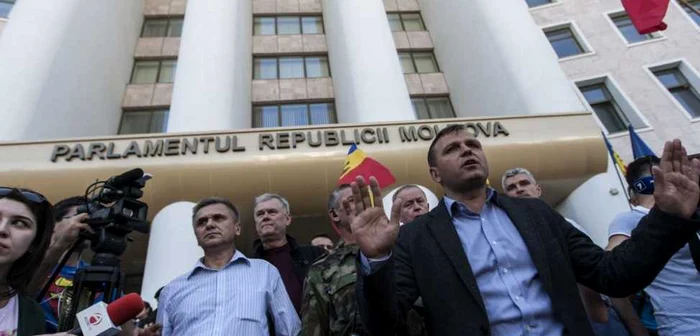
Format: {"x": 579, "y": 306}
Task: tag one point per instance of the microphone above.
{"x": 126, "y": 178}
{"x": 103, "y": 319}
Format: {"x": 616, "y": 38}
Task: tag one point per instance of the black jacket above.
{"x": 303, "y": 256}
{"x": 428, "y": 260}
{"x": 31, "y": 317}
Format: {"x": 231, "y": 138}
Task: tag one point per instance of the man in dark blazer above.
{"x": 487, "y": 264}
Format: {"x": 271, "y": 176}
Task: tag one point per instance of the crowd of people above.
{"x": 478, "y": 263}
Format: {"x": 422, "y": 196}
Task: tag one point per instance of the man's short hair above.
{"x": 61, "y": 208}
{"x": 335, "y": 196}
{"x": 404, "y": 187}
{"x": 212, "y": 201}
{"x": 516, "y": 171}
{"x": 450, "y": 129}
{"x": 640, "y": 167}
{"x": 266, "y": 197}
{"x": 322, "y": 235}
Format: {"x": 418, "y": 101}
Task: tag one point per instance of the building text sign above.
{"x": 202, "y": 145}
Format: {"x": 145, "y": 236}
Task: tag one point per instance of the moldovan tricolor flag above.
{"x": 647, "y": 15}
{"x": 359, "y": 164}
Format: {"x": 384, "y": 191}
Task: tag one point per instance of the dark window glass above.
{"x": 535, "y": 3}
{"x": 412, "y": 22}
{"x": 6, "y": 7}
{"x": 624, "y": 24}
{"x": 288, "y": 25}
{"x": 145, "y": 72}
{"x": 175, "y": 28}
{"x": 317, "y": 66}
{"x": 395, "y": 22}
{"x": 288, "y": 115}
{"x": 265, "y": 68}
{"x": 676, "y": 83}
{"x": 139, "y": 122}
{"x": 311, "y": 25}
{"x": 564, "y": 42}
{"x": 689, "y": 9}
{"x": 154, "y": 28}
{"x": 605, "y": 107}
{"x": 291, "y": 67}
{"x": 264, "y": 26}
{"x": 433, "y": 108}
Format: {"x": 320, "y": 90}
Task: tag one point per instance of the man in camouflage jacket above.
{"x": 329, "y": 307}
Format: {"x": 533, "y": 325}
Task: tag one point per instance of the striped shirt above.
{"x": 235, "y": 300}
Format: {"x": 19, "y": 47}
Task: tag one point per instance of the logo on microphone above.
{"x": 93, "y": 319}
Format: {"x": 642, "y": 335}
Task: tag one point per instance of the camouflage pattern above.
{"x": 329, "y": 307}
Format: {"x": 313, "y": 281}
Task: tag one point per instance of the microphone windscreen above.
{"x": 125, "y": 308}
{"x": 127, "y": 177}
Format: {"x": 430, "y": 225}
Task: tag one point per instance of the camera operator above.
{"x": 65, "y": 234}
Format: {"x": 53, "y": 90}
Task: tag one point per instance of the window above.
{"x": 405, "y": 22}
{"x": 6, "y": 7}
{"x": 605, "y": 107}
{"x": 291, "y": 67}
{"x": 138, "y": 122}
{"x": 536, "y": 3}
{"x": 293, "y": 115}
{"x": 625, "y": 26}
{"x": 418, "y": 62}
{"x": 162, "y": 27}
{"x": 692, "y": 7}
{"x": 432, "y": 108}
{"x": 678, "y": 85}
{"x": 148, "y": 72}
{"x": 564, "y": 41}
{"x": 287, "y": 25}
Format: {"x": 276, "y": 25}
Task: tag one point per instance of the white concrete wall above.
{"x": 496, "y": 60}
{"x": 626, "y": 65}
{"x": 367, "y": 77}
{"x": 3, "y": 22}
{"x": 63, "y": 67}
{"x": 213, "y": 81}
{"x": 172, "y": 248}
{"x": 594, "y": 204}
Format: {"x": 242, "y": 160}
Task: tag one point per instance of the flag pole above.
{"x": 624, "y": 190}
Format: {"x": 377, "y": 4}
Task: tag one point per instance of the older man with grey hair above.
{"x": 272, "y": 217}
{"x": 606, "y": 317}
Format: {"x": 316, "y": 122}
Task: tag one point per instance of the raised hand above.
{"x": 676, "y": 190}
{"x": 372, "y": 231}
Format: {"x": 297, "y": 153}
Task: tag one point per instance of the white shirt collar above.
{"x": 641, "y": 209}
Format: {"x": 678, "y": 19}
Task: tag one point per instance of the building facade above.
{"x": 238, "y": 98}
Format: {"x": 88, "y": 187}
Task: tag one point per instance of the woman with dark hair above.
{"x": 26, "y": 225}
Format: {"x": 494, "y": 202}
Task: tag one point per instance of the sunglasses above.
{"x": 31, "y": 196}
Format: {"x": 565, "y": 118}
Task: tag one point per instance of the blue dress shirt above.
{"x": 234, "y": 300}
{"x": 515, "y": 299}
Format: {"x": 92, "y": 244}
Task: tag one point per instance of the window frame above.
{"x": 424, "y": 99}
{"x": 12, "y": 3}
{"x": 403, "y": 24}
{"x": 303, "y": 61}
{"x": 415, "y": 65}
{"x": 300, "y": 23}
{"x": 626, "y": 105}
{"x": 160, "y": 68}
{"x": 684, "y": 9}
{"x": 550, "y": 4}
{"x": 691, "y": 75}
{"x": 620, "y": 12}
{"x": 579, "y": 38}
{"x": 332, "y": 116}
{"x": 167, "y": 26}
{"x": 151, "y": 113}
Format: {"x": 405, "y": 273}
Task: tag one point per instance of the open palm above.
{"x": 676, "y": 188}
{"x": 372, "y": 231}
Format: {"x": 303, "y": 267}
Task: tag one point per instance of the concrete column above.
{"x": 64, "y": 65}
{"x": 496, "y": 60}
{"x": 172, "y": 248}
{"x": 367, "y": 77}
{"x": 213, "y": 80}
{"x": 594, "y": 204}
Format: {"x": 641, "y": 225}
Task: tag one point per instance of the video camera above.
{"x": 114, "y": 211}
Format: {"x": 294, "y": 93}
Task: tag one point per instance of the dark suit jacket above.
{"x": 428, "y": 260}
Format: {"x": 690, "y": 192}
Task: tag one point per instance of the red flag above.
{"x": 359, "y": 164}
{"x": 646, "y": 15}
